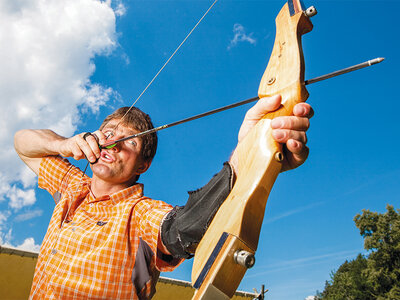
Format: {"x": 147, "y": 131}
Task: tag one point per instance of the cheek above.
{"x": 127, "y": 164}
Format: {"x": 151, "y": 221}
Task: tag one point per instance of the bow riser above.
{"x": 237, "y": 224}
{"x": 286, "y": 64}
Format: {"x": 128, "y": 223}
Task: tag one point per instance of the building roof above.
{"x": 19, "y": 265}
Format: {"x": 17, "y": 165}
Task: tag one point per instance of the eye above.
{"x": 108, "y": 133}
{"x": 132, "y": 143}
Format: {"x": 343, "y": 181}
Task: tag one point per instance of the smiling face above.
{"x": 121, "y": 164}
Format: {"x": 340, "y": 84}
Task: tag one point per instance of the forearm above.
{"x": 183, "y": 227}
{"x": 37, "y": 143}
{"x": 32, "y": 145}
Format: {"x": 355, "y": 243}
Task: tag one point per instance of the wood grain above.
{"x": 242, "y": 213}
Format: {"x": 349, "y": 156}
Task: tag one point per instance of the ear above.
{"x": 143, "y": 167}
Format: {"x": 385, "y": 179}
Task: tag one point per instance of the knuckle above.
{"x": 250, "y": 114}
{"x": 291, "y": 122}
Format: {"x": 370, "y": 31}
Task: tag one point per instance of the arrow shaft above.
{"x": 368, "y": 63}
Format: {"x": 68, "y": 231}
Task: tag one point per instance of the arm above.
{"x": 32, "y": 145}
{"x": 289, "y": 130}
{"x": 183, "y": 228}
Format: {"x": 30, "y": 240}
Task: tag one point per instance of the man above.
{"x": 106, "y": 240}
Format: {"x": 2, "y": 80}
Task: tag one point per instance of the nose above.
{"x": 111, "y": 141}
{"x": 111, "y": 144}
{"x": 115, "y": 147}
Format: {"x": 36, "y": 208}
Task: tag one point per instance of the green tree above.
{"x": 376, "y": 276}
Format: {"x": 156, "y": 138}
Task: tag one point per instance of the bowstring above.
{"x": 113, "y": 131}
{"x": 165, "y": 64}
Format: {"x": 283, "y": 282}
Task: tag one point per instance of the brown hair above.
{"x": 140, "y": 121}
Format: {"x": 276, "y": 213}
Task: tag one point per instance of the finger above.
{"x": 291, "y": 122}
{"x": 284, "y": 135}
{"x": 298, "y": 153}
{"x": 77, "y": 153}
{"x": 262, "y": 107}
{"x": 87, "y": 147}
{"x": 303, "y": 110}
{"x": 93, "y": 142}
{"x": 254, "y": 114}
{"x": 295, "y": 146}
{"x": 101, "y": 136}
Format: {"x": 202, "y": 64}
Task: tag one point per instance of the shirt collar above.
{"x": 135, "y": 191}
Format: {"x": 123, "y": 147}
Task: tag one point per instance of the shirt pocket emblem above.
{"x": 101, "y": 223}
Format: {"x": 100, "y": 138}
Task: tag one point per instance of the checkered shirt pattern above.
{"x": 92, "y": 255}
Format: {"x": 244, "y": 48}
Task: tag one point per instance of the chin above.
{"x": 105, "y": 173}
{"x": 101, "y": 170}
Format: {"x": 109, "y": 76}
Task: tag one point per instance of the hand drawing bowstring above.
{"x": 111, "y": 133}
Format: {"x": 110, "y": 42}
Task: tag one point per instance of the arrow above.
{"x": 112, "y": 144}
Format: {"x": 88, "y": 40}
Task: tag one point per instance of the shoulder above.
{"x": 56, "y": 171}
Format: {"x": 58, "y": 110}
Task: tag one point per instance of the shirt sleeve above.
{"x": 55, "y": 174}
{"x": 149, "y": 215}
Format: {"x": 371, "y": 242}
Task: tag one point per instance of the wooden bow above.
{"x": 220, "y": 262}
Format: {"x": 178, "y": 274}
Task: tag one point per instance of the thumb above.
{"x": 262, "y": 107}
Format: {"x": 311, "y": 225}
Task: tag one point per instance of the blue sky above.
{"x": 69, "y": 75}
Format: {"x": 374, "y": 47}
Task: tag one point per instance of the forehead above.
{"x": 122, "y": 127}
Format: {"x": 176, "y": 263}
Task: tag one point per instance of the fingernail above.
{"x": 303, "y": 110}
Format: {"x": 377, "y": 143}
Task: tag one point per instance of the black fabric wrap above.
{"x": 184, "y": 226}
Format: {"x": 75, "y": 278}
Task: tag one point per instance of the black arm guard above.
{"x": 184, "y": 226}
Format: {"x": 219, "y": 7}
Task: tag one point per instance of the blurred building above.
{"x": 17, "y": 268}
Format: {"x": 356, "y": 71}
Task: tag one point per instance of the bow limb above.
{"x": 216, "y": 273}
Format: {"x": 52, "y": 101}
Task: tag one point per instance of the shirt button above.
{"x": 53, "y": 251}
{"x": 73, "y": 229}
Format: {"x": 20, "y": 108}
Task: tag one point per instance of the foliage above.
{"x": 376, "y": 276}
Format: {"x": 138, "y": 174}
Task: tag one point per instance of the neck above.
{"x": 101, "y": 187}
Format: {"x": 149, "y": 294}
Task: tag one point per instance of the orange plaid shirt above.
{"x": 106, "y": 249}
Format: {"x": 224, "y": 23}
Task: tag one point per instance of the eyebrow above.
{"x": 130, "y": 131}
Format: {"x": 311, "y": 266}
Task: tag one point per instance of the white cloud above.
{"x": 310, "y": 298}
{"x": 5, "y": 238}
{"x": 20, "y": 198}
{"x": 304, "y": 261}
{"x": 46, "y": 62}
{"x": 6, "y": 234}
{"x": 292, "y": 212}
{"x": 120, "y": 8}
{"x": 240, "y": 36}
{"x": 3, "y": 218}
{"x": 28, "y": 215}
{"x": 29, "y": 245}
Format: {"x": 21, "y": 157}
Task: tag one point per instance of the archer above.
{"x": 106, "y": 240}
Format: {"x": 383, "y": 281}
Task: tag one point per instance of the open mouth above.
{"x": 105, "y": 156}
